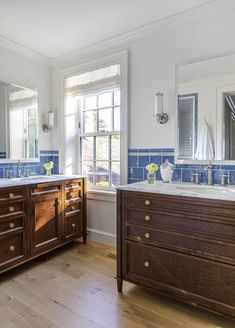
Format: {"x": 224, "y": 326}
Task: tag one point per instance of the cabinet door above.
{"x": 46, "y": 221}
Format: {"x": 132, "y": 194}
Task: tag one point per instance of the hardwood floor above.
{"x": 75, "y": 287}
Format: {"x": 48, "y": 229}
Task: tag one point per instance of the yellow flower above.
{"x": 48, "y": 166}
{"x": 152, "y": 168}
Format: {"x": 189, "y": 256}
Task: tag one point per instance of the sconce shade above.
{"x": 162, "y": 117}
{"x": 50, "y": 120}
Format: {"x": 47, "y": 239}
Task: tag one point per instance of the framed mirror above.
{"x": 205, "y": 122}
{"x": 18, "y": 123}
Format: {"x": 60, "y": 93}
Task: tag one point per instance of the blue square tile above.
{"x": 171, "y": 159}
{"x": 187, "y": 175}
{"x": 177, "y": 175}
{"x": 143, "y": 161}
{"x": 138, "y": 173}
{"x": 156, "y": 160}
{"x": 132, "y": 161}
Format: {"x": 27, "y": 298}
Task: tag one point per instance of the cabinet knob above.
{"x": 11, "y": 225}
{"x": 11, "y": 195}
{"x": 73, "y": 208}
{"x": 147, "y": 218}
{"x": 147, "y": 235}
{"x": 147, "y": 202}
{"x": 146, "y": 264}
{"x": 11, "y": 209}
{"x": 73, "y": 225}
{"x": 12, "y": 248}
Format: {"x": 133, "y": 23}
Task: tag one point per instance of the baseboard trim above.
{"x": 102, "y": 236}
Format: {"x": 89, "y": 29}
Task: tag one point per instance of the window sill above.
{"x": 101, "y": 195}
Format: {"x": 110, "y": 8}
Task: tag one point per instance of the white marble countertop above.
{"x": 24, "y": 181}
{"x": 183, "y": 189}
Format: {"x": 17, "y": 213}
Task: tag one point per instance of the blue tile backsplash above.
{"x": 139, "y": 158}
{"x": 35, "y": 167}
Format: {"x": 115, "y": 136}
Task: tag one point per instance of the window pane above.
{"x": 87, "y": 148}
{"x": 89, "y": 121}
{"x": 105, "y": 100}
{"x": 105, "y": 120}
{"x": 117, "y": 119}
{"x": 115, "y": 173}
{"x": 115, "y": 147}
{"x": 117, "y": 98}
{"x": 31, "y": 149}
{"x": 90, "y": 102}
{"x": 87, "y": 169}
{"x": 102, "y": 174}
{"x": 32, "y": 112}
{"x": 102, "y": 148}
{"x": 32, "y": 128}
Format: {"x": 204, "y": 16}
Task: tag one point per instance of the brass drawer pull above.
{"x": 147, "y": 202}
{"x": 146, "y": 264}
{"x": 11, "y": 225}
{"x": 12, "y": 248}
{"x": 73, "y": 225}
{"x": 11, "y": 195}
{"x": 147, "y": 235}
{"x": 147, "y": 218}
{"x": 11, "y": 209}
{"x": 73, "y": 208}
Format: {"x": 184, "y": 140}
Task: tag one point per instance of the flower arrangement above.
{"x": 151, "y": 168}
{"x": 48, "y": 167}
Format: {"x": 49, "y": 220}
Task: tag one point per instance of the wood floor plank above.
{"x": 74, "y": 287}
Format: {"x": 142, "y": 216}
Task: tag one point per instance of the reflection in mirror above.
{"x": 18, "y": 122}
{"x": 206, "y": 110}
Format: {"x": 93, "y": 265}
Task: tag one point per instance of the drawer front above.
{"x": 11, "y": 249}
{"x": 74, "y": 185}
{"x": 182, "y": 242}
{"x": 187, "y": 273}
{"x": 74, "y": 208}
{"x": 73, "y": 191}
{"x": 11, "y": 195}
{"x": 11, "y": 209}
{"x": 73, "y": 226}
{"x": 181, "y": 205}
{"x": 45, "y": 188}
{"x": 217, "y": 229}
{"x": 11, "y": 225}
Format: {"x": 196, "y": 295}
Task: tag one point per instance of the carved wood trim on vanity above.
{"x": 38, "y": 218}
{"x": 183, "y": 247}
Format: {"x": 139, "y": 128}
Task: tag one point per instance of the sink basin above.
{"x": 206, "y": 189}
{"x": 32, "y": 177}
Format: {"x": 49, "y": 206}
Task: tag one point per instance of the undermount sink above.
{"x": 206, "y": 189}
{"x": 32, "y": 177}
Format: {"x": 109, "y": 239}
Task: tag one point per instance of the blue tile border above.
{"x": 139, "y": 158}
{"x": 35, "y": 167}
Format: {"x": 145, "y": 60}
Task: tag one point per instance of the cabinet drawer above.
{"x": 11, "y": 225}
{"x": 186, "y": 273}
{"x": 200, "y": 207}
{"x": 72, "y": 209}
{"x": 182, "y": 242}
{"x": 11, "y": 195}
{"x": 45, "y": 188}
{"x": 219, "y": 228}
{"x": 73, "y": 225}
{"x": 75, "y": 184}
{"x": 11, "y": 248}
{"x": 11, "y": 209}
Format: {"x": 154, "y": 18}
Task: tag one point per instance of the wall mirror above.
{"x": 206, "y": 111}
{"x": 18, "y": 123}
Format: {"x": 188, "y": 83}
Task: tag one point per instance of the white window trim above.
{"x": 122, "y": 59}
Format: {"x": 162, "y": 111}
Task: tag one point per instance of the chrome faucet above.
{"x": 209, "y": 174}
{"x": 19, "y": 169}
{"x": 197, "y": 176}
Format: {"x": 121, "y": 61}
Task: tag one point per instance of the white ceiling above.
{"x": 56, "y": 27}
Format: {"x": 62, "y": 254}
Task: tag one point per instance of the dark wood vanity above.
{"x": 180, "y": 246}
{"x": 38, "y": 217}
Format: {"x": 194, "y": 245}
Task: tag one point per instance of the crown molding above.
{"x": 25, "y": 52}
{"x": 173, "y": 22}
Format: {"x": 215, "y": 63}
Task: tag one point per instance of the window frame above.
{"x": 65, "y": 139}
{"x": 98, "y": 133}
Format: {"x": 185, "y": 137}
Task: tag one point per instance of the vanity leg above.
{"x": 84, "y": 237}
{"x": 119, "y": 284}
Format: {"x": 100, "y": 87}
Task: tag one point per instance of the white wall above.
{"x": 152, "y": 63}
{"x": 22, "y": 71}
{"x": 2, "y": 117}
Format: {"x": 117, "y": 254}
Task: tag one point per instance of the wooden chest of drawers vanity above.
{"x": 183, "y": 247}
{"x": 38, "y": 217}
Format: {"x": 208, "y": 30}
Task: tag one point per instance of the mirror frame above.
{"x": 218, "y": 98}
{"x": 24, "y": 160}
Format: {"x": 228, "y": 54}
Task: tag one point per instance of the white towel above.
{"x": 205, "y": 147}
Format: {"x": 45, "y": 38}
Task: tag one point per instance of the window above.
{"x": 92, "y": 99}
{"x": 100, "y": 138}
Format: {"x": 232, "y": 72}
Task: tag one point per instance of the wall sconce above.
{"x": 162, "y": 118}
{"x": 50, "y": 125}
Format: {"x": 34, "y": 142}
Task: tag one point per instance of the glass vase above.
{"x": 48, "y": 171}
{"x": 151, "y": 178}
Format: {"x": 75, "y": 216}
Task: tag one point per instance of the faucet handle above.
{"x": 223, "y": 176}
{"x": 197, "y": 175}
